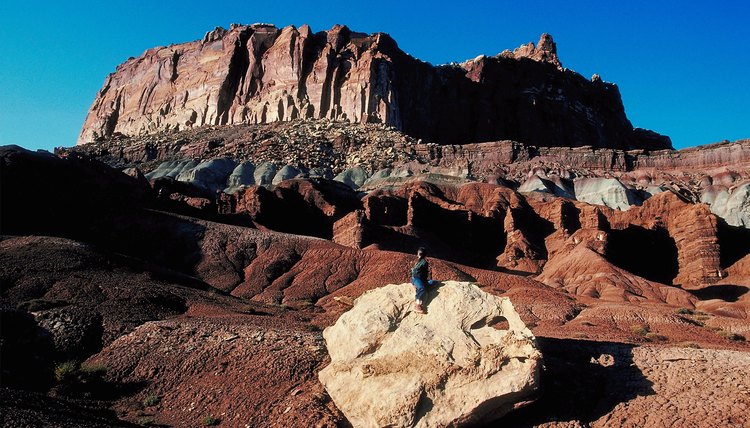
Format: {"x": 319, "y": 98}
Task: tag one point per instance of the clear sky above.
{"x": 683, "y": 67}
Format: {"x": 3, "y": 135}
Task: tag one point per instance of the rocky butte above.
{"x": 262, "y": 74}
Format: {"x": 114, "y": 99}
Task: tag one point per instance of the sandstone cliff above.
{"x": 261, "y": 74}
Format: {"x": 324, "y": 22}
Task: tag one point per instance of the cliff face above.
{"x": 262, "y": 74}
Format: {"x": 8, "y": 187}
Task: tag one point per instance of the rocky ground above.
{"x": 305, "y": 144}
{"x": 602, "y": 384}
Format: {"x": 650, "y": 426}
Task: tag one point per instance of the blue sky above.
{"x": 683, "y": 67}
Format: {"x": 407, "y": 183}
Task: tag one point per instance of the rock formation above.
{"x": 368, "y": 157}
{"x": 469, "y": 360}
{"x": 240, "y": 193}
{"x": 732, "y": 204}
{"x": 166, "y": 296}
{"x": 261, "y": 74}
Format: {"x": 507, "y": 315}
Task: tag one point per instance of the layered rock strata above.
{"x": 370, "y": 156}
{"x": 261, "y": 74}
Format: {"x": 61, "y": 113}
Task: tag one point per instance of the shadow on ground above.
{"x": 726, "y": 292}
{"x": 582, "y": 381}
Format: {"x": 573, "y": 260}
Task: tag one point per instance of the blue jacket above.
{"x": 421, "y": 270}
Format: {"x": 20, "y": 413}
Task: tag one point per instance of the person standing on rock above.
{"x": 419, "y": 278}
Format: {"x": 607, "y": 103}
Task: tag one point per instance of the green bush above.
{"x": 210, "y": 420}
{"x": 67, "y": 371}
{"x": 639, "y": 329}
{"x": 82, "y": 380}
{"x": 151, "y": 400}
{"x": 145, "y": 420}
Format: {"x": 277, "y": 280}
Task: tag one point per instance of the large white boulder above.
{"x": 470, "y": 359}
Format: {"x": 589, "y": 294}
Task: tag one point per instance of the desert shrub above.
{"x": 692, "y": 345}
{"x": 313, "y": 328}
{"x": 82, "y": 380}
{"x": 94, "y": 369}
{"x": 247, "y": 309}
{"x": 151, "y": 400}
{"x": 700, "y": 315}
{"x": 67, "y": 371}
{"x": 145, "y": 420}
{"x": 654, "y": 337}
{"x": 305, "y": 303}
{"x": 684, "y": 311}
{"x": 210, "y": 420}
{"x": 692, "y": 321}
{"x": 639, "y": 329}
{"x": 731, "y": 336}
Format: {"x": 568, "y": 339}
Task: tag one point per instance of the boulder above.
{"x": 469, "y": 360}
{"x": 650, "y": 191}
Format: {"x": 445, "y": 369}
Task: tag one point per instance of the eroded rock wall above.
{"x": 262, "y": 74}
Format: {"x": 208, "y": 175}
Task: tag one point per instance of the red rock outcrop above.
{"x": 352, "y": 230}
{"x": 261, "y": 74}
{"x": 693, "y": 229}
{"x": 544, "y": 51}
{"x": 307, "y": 207}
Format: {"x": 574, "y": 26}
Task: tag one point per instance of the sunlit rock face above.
{"x": 261, "y": 74}
{"x": 469, "y": 359}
